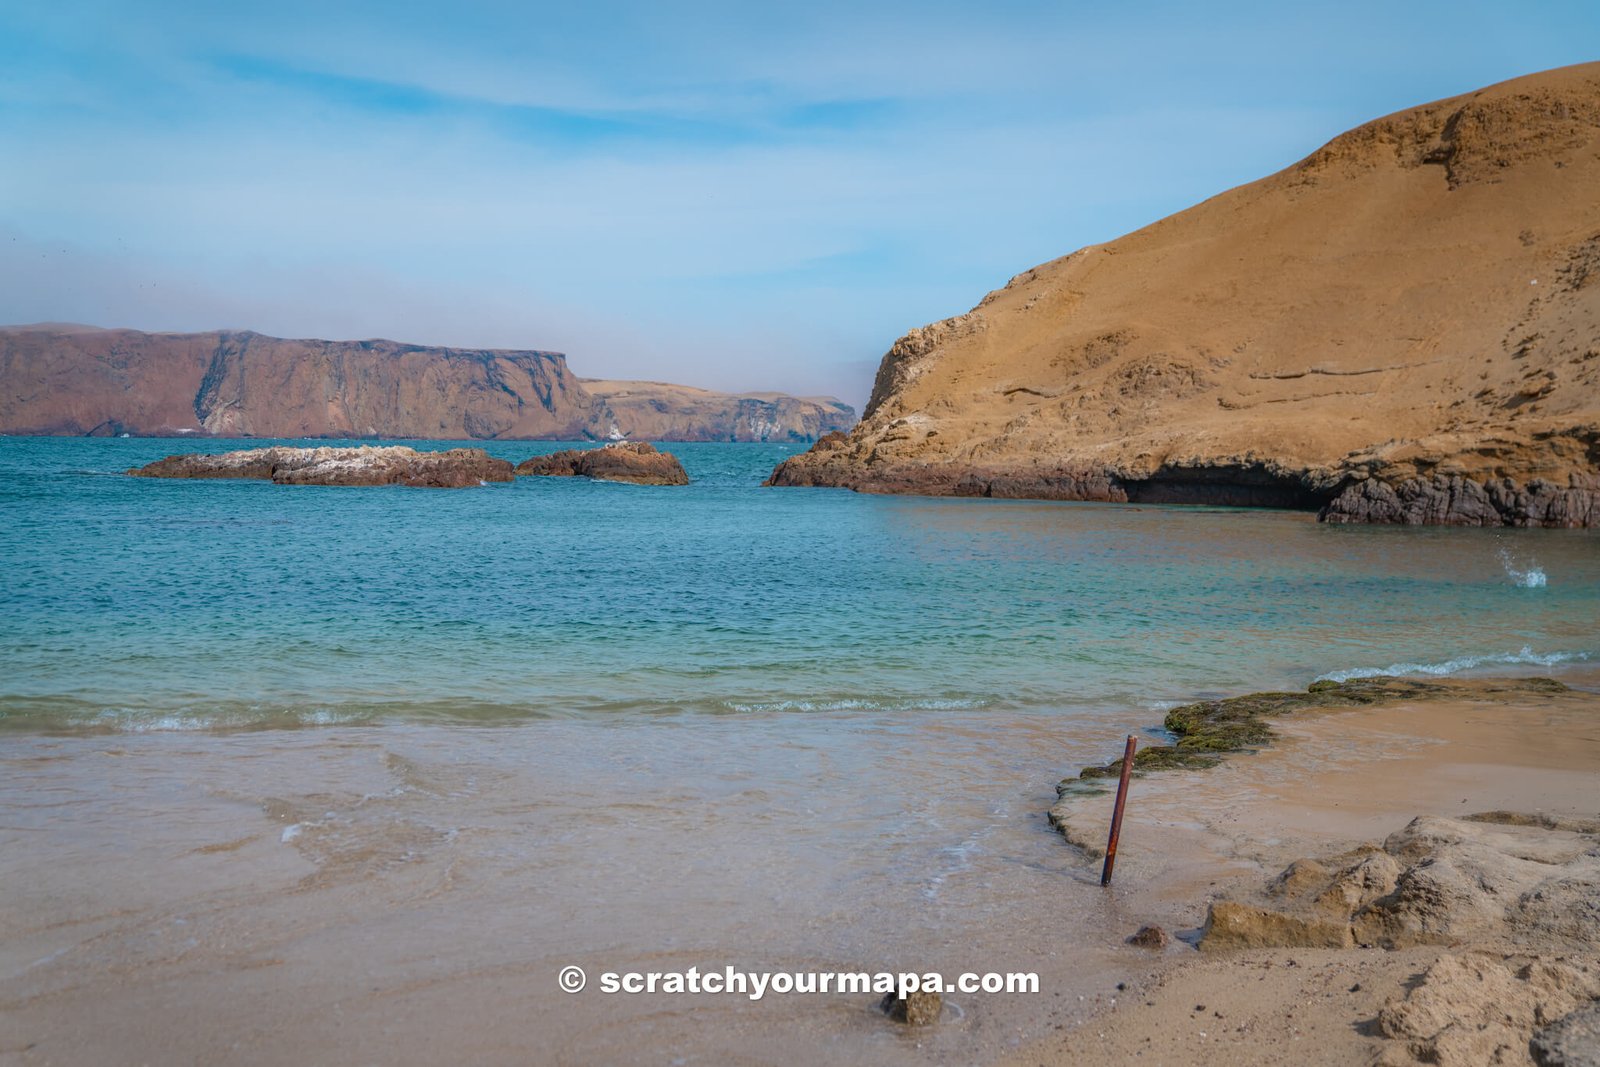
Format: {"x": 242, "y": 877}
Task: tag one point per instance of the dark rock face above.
{"x": 1001, "y": 483}
{"x": 398, "y": 465}
{"x": 1457, "y": 501}
{"x": 621, "y": 461}
{"x": 1573, "y": 1041}
{"x": 1387, "y": 498}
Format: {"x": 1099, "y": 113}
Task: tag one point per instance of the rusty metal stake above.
{"x": 1116, "y": 813}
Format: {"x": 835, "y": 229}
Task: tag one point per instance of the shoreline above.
{"x": 1332, "y": 785}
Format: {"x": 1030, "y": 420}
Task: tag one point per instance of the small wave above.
{"x": 1531, "y": 577}
{"x": 856, "y": 705}
{"x": 1462, "y": 663}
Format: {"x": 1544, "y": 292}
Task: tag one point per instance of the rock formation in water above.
{"x": 664, "y": 412}
{"x": 366, "y": 465}
{"x": 619, "y": 461}
{"x": 1402, "y": 327}
{"x": 60, "y": 379}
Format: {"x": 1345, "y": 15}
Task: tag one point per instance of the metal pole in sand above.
{"x": 1116, "y": 813}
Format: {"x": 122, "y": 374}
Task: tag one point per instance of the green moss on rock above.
{"x": 1204, "y": 730}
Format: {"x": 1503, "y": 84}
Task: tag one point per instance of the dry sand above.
{"x": 1338, "y": 779}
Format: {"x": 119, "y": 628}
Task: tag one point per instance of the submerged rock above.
{"x": 1150, "y": 936}
{"x": 364, "y": 465}
{"x": 620, "y": 461}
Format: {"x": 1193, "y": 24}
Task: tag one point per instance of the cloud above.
{"x": 731, "y": 195}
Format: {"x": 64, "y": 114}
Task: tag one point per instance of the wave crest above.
{"x": 1461, "y": 663}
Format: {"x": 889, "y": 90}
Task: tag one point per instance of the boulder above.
{"x": 637, "y": 462}
{"x": 1150, "y": 936}
{"x": 1572, "y": 1041}
{"x": 920, "y": 1008}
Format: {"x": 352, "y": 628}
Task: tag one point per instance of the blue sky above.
{"x": 731, "y": 195}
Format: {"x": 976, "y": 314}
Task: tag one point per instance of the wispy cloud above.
{"x": 730, "y": 194}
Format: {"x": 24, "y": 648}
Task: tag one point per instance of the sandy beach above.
{"x": 1336, "y": 782}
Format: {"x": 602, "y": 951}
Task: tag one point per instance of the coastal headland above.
{"x": 1400, "y": 328}
{"x": 81, "y": 380}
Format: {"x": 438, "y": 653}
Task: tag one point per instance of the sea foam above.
{"x": 1460, "y": 663}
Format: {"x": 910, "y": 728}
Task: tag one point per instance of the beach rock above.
{"x": 1249, "y": 351}
{"x": 365, "y": 465}
{"x": 1438, "y": 881}
{"x": 1231, "y": 925}
{"x": 1466, "y": 879}
{"x": 1475, "y": 1008}
{"x": 919, "y": 1008}
{"x": 620, "y": 461}
{"x": 1150, "y": 936}
{"x": 1572, "y": 1041}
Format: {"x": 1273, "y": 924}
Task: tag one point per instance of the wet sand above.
{"x": 408, "y": 894}
{"x": 1336, "y": 779}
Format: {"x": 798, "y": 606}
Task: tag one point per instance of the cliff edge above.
{"x": 65, "y": 379}
{"x": 1402, "y": 327}
{"x": 664, "y": 412}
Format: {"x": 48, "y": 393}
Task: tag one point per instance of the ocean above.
{"x": 295, "y": 763}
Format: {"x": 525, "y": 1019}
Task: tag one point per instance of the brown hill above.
{"x": 64, "y": 379}
{"x": 1404, "y": 326}
{"x": 663, "y": 412}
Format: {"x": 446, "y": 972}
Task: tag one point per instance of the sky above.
{"x": 733, "y": 195}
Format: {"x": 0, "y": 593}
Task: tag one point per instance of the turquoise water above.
{"x": 139, "y": 604}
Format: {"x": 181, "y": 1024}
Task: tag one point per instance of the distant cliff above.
{"x": 64, "y": 379}
{"x": 1403, "y": 327}
{"x": 657, "y": 411}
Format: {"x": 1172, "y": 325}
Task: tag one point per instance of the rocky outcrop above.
{"x": 1403, "y": 327}
{"x": 620, "y": 461}
{"x": 1515, "y": 899}
{"x": 663, "y": 412}
{"x": 1473, "y": 1009}
{"x": 63, "y": 379}
{"x": 367, "y": 465}
{"x": 1437, "y": 881}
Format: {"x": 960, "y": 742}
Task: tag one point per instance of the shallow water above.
{"x": 347, "y": 775}
{"x": 136, "y": 604}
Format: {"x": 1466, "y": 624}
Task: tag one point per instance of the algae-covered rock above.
{"x": 1206, "y": 729}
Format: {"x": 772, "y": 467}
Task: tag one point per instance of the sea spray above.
{"x": 1530, "y": 577}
